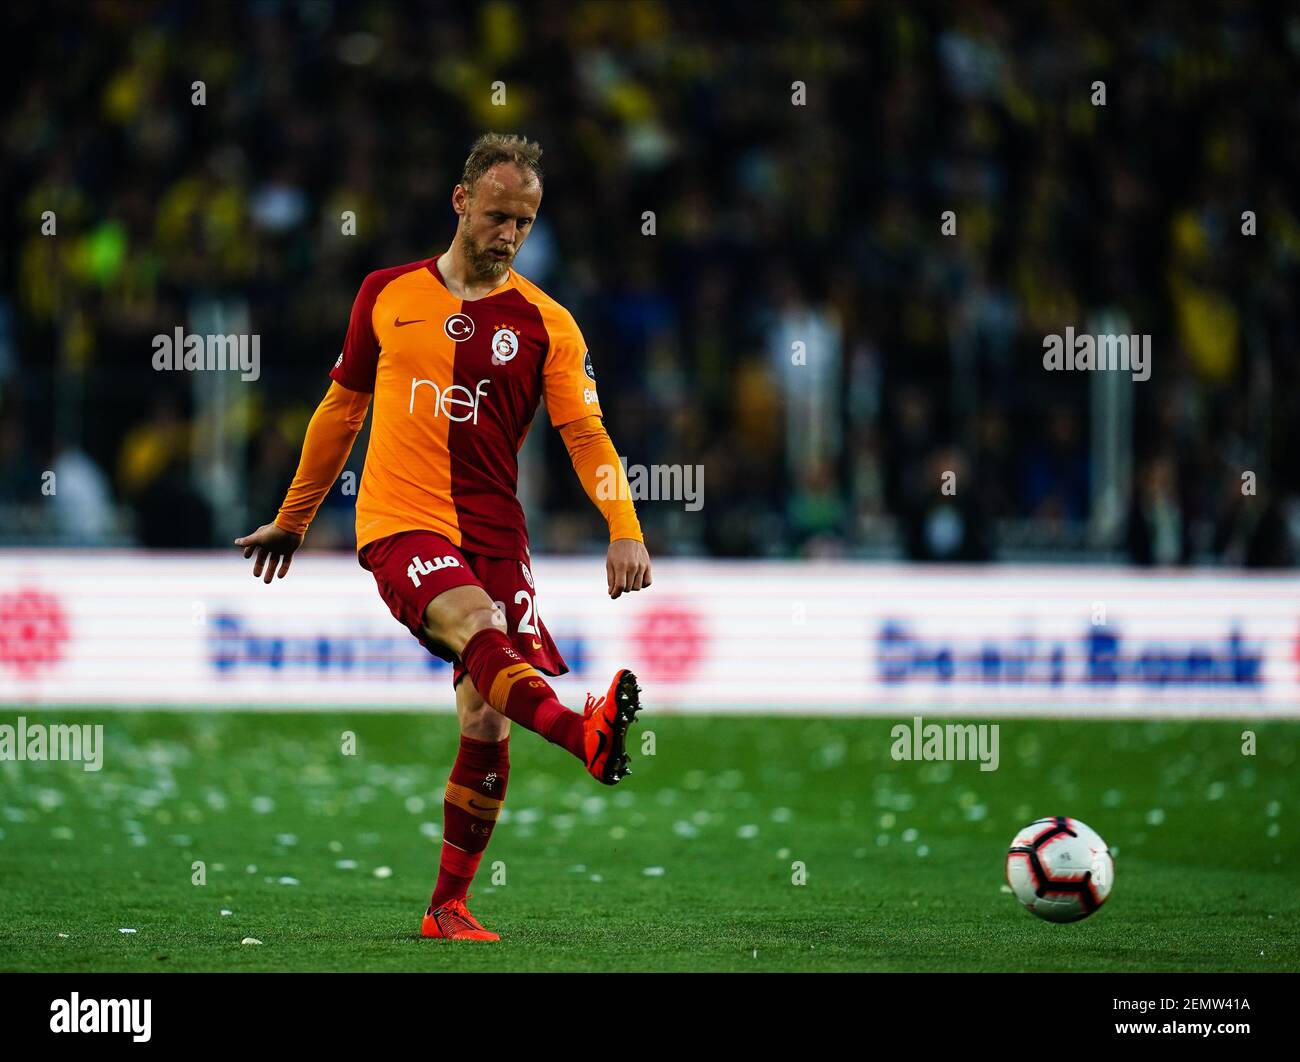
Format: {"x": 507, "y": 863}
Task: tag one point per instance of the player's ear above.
{"x": 459, "y": 199}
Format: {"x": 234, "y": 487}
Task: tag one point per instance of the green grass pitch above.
{"x": 328, "y": 859}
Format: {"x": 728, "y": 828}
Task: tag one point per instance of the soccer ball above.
{"x": 1060, "y": 869}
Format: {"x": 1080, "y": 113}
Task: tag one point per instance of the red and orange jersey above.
{"x": 456, "y": 384}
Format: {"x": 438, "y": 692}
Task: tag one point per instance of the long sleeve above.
{"x": 333, "y": 429}
{"x": 602, "y": 475}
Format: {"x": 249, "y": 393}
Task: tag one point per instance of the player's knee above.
{"x": 456, "y": 630}
{"x": 479, "y": 720}
{"x": 480, "y": 619}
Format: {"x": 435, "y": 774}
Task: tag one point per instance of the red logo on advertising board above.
{"x": 670, "y": 639}
{"x": 33, "y": 631}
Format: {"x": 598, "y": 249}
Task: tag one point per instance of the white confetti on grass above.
{"x": 431, "y": 830}
{"x": 286, "y": 880}
{"x": 346, "y": 864}
{"x": 685, "y": 829}
{"x": 1155, "y": 816}
{"x": 263, "y": 805}
{"x": 654, "y": 872}
{"x": 288, "y": 840}
{"x": 383, "y": 872}
{"x": 250, "y": 940}
{"x": 781, "y": 814}
{"x": 747, "y": 832}
{"x": 126, "y": 930}
{"x": 414, "y": 804}
{"x": 49, "y": 799}
{"x": 226, "y": 912}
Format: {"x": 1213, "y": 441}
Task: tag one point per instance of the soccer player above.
{"x": 457, "y": 351}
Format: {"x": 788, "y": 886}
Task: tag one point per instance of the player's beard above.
{"x": 482, "y": 264}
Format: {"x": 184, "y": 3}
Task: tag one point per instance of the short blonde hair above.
{"x": 493, "y": 148}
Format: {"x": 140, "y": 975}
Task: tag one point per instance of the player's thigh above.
{"x": 478, "y": 719}
{"x": 456, "y": 615}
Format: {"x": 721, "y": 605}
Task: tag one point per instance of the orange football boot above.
{"x": 452, "y": 921}
{"x": 605, "y": 724}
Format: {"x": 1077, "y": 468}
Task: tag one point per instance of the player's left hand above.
{"x": 627, "y": 566}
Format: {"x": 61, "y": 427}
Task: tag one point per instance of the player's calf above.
{"x": 465, "y": 620}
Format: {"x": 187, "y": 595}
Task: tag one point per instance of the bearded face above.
{"x": 496, "y": 219}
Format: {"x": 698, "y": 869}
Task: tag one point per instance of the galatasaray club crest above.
{"x": 505, "y": 345}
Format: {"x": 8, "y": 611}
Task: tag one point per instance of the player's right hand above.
{"x": 270, "y": 541}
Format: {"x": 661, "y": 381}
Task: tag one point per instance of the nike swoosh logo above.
{"x": 537, "y": 645}
{"x": 399, "y": 323}
{"x": 600, "y": 747}
{"x": 480, "y": 807}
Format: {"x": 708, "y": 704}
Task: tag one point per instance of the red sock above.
{"x": 475, "y": 793}
{"x": 496, "y": 670}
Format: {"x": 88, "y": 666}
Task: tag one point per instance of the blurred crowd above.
{"x": 853, "y": 379}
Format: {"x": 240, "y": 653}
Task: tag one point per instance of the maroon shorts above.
{"x": 414, "y": 567}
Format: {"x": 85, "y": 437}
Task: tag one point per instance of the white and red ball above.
{"x": 1060, "y": 869}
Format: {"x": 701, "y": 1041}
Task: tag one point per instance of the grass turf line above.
{"x": 903, "y": 859}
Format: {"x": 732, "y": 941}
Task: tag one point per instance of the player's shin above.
{"x": 471, "y": 804}
{"x": 519, "y": 692}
